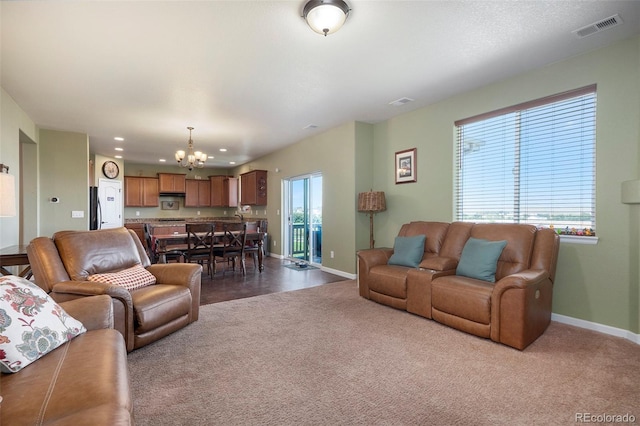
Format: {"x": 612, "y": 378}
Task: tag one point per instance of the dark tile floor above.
{"x": 275, "y": 278}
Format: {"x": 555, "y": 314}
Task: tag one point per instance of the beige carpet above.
{"x": 325, "y": 356}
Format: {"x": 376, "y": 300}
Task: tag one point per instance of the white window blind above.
{"x": 531, "y": 163}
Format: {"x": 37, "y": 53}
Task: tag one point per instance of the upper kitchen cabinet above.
{"x": 172, "y": 183}
{"x": 224, "y": 191}
{"x": 140, "y": 191}
{"x": 198, "y": 193}
{"x": 253, "y": 188}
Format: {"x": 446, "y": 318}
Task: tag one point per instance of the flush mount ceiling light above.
{"x": 325, "y": 16}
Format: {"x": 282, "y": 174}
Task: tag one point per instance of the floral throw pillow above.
{"x": 31, "y": 324}
{"x": 130, "y": 278}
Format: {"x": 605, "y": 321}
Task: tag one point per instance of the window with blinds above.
{"x": 531, "y": 163}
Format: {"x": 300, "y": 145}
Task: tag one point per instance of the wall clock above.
{"x": 110, "y": 169}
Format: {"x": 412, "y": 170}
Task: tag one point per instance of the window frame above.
{"x": 458, "y": 155}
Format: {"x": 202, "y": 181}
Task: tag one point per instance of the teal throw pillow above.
{"x": 408, "y": 251}
{"x": 479, "y": 259}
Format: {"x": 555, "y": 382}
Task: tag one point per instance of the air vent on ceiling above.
{"x": 601, "y": 25}
{"x": 310, "y": 126}
{"x": 401, "y": 101}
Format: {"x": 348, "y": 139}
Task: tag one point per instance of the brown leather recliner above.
{"x": 62, "y": 264}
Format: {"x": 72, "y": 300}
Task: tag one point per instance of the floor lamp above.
{"x": 371, "y": 202}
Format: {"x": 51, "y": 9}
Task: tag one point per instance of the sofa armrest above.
{"x": 368, "y": 259}
{"x": 93, "y": 312}
{"x": 374, "y": 257}
{"x": 184, "y": 274}
{"x": 120, "y": 297}
{"x": 175, "y": 273}
{"x": 522, "y": 306}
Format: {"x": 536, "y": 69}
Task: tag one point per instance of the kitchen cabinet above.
{"x": 197, "y": 193}
{"x": 253, "y": 188}
{"x": 224, "y": 191}
{"x": 172, "y": 183}
{"x": 140, "y": 191}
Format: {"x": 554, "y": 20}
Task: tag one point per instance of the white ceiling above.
{"x": 251, "y": 75}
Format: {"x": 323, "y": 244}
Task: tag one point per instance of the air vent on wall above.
{"x": 601, "y": 25}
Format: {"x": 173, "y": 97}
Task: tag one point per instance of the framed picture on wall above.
{"x": 405, "y": 166}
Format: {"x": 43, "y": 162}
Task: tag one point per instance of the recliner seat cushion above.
{"x": 463, "y": 297}
{"x": 158, "y": 305}
{"x": 390, "y": 280}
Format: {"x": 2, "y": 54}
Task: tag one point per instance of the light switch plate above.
{"x": 77, "y": 214}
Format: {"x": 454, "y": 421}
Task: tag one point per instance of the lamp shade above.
{"x": 7, "y": 195}
{"x": 372, "y": 201}
{"x": 325, "y": 16}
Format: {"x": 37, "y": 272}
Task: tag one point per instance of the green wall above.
{"x": 333, "y": 154}
{"x": 63, "y": 173}
{"x": 597, "y": 283}
{"x": 13, "y": 122}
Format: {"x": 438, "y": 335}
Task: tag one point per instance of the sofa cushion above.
{"x": 31, "y": 324}
{"x": 83, "y": 382}
{"x": 130, "y": 278}
{"x": 407, "y": 251}
{"x": 462, "y": 297}
{"x": 390, "y": 280}
{"x": 479, "y": 259}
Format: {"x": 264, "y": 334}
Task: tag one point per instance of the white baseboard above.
{"x": 606, "y": 329}
{"x": 339, "y": 273}
{"x": 323, "y": 268}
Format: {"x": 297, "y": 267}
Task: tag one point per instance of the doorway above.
{"x": 303, "y": 230}
{"x": 109, "y": 204}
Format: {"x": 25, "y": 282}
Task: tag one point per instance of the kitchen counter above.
{"x": 178, "y": 221}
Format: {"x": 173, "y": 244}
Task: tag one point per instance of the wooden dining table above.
{"x": 179, "y": 241}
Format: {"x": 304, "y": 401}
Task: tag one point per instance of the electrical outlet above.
{"x": 274, "y": 243}
{"x": 198, "y": 212}
{"x": 137, "y": 213}
{"x": 332, "y": 254}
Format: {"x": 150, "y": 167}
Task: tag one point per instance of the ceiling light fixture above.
{"x": 193, "y": 159}
{"x": 325, "y": 16}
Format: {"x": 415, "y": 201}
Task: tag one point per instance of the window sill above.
{"x": 574, "y": 239}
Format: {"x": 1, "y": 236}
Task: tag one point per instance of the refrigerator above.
{"x": 95, "y": 214}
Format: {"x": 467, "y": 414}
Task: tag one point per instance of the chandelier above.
{"x": 192, "y": 159}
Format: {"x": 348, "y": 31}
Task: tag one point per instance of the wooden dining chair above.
{"x": 152, "y": 249}
{"x": 251, "y": 247}
{"x": 233, "y": 246}
{"x": 200, "y": 243}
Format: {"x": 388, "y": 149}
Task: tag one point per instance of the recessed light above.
{"x": 232, "y": 162}
{"x": 211, "y": 157}
{"x": 118, "y": 156}
{"x": 223, "y": 149}
{"x": 162, "y": 160}
{"x": 118, "y": 138}
{"x": 119, "y": 149}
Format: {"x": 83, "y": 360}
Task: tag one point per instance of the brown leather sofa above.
{"x": 62, "y": 264}
{"x": 83, "y": 382}
{"x": 514, "y": 310}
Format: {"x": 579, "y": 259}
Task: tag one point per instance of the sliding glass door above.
{"x": 303, "y": 198}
